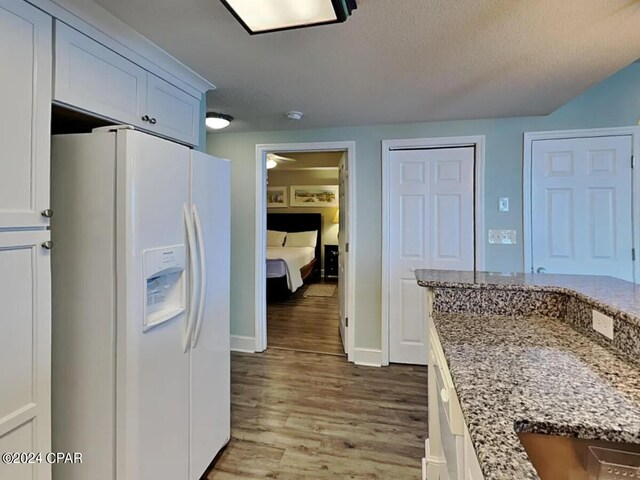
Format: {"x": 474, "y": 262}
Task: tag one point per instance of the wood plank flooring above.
{"x": 302, "y": 323}
{"x": 299, "y": 415}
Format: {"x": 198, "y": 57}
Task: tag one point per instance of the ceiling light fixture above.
{"x": 274, "y": 15}
{"x": 293, "y": 115}
{"x": 218, "y": 120}
{"x": 271, "y": 164}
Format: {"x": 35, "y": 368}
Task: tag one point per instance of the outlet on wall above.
{"x": 504, "y": 237}
{"x": 603, "y": 324}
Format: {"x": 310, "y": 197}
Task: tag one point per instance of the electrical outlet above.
{"x": 603, "y": 324}
{"x": 504, "y": 237}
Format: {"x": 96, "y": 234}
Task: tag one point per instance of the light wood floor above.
{"x": 298, "y": 415}
{"x": 305, "y": 323}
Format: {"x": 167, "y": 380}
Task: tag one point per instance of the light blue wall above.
{"x": 614, "y": 102}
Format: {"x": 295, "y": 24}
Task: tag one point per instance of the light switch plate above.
{"x": 503, "y": 204}
{"x": 503, "y": 237}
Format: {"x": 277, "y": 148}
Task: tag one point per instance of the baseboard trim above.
{"x": 369, "y": 357}
{"x": 243, "y": 344}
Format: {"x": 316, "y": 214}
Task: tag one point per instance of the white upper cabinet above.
{"x": 93, "y": 78}
{"x": 173, "y": 113}
{"x": 96, "y": 79}
{"x": 25, "y": 96}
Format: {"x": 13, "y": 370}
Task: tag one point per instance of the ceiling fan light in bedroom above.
{"x": 271, "y": 163}
{"x": 274, "y": 15}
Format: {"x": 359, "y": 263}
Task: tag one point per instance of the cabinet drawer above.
{"x": 94, "y": 78}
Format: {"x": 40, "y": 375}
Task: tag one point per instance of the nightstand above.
{"x": 330, "y": 261}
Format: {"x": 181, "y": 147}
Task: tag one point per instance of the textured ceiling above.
{"x": 397, "y": 61}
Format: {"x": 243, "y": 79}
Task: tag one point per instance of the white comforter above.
{"x": 294, "y": 258}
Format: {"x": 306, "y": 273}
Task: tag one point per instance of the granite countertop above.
{"x": 611, "y": 295}
{"x": 534, "y": 374}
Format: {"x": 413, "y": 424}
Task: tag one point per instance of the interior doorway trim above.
{"x": 527, "y": 179}
{"x": 261, "y": 232}
{"x": 477, "y": 141}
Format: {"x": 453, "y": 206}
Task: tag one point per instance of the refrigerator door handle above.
{"x": 188, "y": 220}
{"x": 203, "y": 275}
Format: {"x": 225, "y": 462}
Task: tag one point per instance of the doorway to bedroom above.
{"x": 302, "y": 251}
{"x": 306, "y": 260}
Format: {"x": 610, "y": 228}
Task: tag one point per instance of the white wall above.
{"x": 614, "y": 102}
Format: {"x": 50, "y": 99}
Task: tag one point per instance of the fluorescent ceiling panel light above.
{"x": 272, "y": 15}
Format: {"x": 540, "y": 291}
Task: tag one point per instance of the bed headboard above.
{"x": 299, "y": 222}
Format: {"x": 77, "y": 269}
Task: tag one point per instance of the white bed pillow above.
{"x": 302, "y": 239}
{"x": 275, "y": 238}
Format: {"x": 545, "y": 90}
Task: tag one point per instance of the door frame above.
{"x": 527, "y": 182}
{"x": 476, "y": 141}
{"x": 261, "y": 232}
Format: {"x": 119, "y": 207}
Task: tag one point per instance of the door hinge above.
{"x": 346, "y": 247}
{"x": 633, "y": 254}
{"x": 633, "y": 161}
{"x": 346, "y": 321}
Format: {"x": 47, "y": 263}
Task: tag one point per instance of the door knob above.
{"x": 145, "y": 118}
{"x": 152, "y": 121}
{"x": 48, "y": 245}
{"x": 541, "y": 270}
{"x": 47, "y": 213}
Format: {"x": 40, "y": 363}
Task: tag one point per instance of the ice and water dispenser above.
{"x": 165, "y": 285}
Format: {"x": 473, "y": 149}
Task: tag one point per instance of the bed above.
{"x": 288, "y": 267}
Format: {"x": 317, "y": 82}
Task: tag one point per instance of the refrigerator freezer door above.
{"x": 152, "y": 367}
{"x": 210, "y": 365}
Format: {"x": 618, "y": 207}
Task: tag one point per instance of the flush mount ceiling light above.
{"x": 218, "y": 120}
{"x": 273, "y": 15}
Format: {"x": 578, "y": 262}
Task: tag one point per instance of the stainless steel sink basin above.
{"x": 562, "y": 458}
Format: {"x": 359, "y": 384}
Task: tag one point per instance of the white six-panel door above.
{"x": 431, "y": 212}
{"x": 25, "y": 351}
{"x": 581, "y": 206}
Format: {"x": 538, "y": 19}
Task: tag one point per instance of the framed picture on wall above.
{"x": 277, "y": 197}
{"x": 314, "y": 196}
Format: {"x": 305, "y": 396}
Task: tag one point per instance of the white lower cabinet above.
{"x": 25, "y": 352}
{"x": 472, "y": 469}
{"x": 449, "y": 452}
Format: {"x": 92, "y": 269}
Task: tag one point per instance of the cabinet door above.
{"x": 93, "y": 78}
{"x": 174, "y": 113}
{"x": 25, "y": 352}
{"x": 25, "y": 96}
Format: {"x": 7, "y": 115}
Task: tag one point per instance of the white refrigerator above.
{"x": 140, "y": 269}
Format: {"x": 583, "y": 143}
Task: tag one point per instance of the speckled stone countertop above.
{"x": 534, "y": 374}
{"x": 610, "y": 295}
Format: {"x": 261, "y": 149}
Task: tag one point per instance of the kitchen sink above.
{"x": 562, "y": 458}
